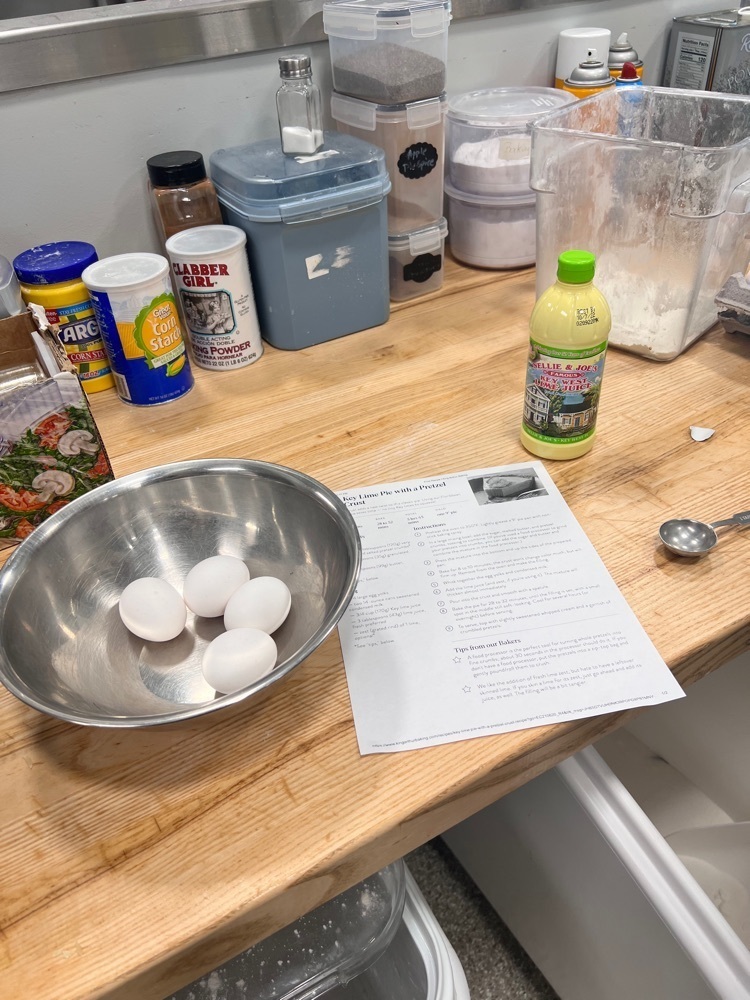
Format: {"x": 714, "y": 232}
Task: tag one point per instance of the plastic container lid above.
{"x": 363, "y": 19}
{"x": 420, "y": 240}
{"x": 576, "y": 267}
{"x": 125, "y": 270}
{"x": 260, "y": 182}
{"x": 490, "y": 201}
{"x": 506, "y": 106}
{"x": 365, "y": 115}
{"x": 206, "y": 241}
{"x": 51, "y": 263}
{"x": 182, "y": 166}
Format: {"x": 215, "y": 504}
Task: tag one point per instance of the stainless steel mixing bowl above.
{"x": 63, "y": 648}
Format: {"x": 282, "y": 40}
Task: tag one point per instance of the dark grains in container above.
{"x": 386, "y": 73}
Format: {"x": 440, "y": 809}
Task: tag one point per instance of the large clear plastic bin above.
{"x": 376, "y": 941}
{"x": 656, "y": 183}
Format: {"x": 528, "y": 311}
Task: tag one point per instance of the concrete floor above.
{"x": 496, "y": 966}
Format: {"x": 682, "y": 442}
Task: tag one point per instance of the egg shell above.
{"x": 152, "y": 609}
{"x": 262, "y": 603}
{"x": 236, "y": 659}
{"x": 211, "y": 582}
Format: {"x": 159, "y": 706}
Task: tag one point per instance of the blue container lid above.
{"x": 263, "y": 184}
{"x": 51, "y": 263}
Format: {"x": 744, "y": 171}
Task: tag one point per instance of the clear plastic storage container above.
{"x": 491, "y": 232}
{"x": 376, "y": 941}
{"x": 487, "y": 139}
{"x": 388, "y": 51}
{"x": 416, "y": 261}
{"x": 413, "y": 137}
{"x": 316, "y": 235}
{"x": 625, "y": 871}
{"x": 656, "y": 183}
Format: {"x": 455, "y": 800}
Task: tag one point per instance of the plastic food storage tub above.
{"x": 416, "y": 261}
{"x": 377, "y": 941}
{"x": 413, "y": 137}
{"x": 625, "y": 871}
{"x": 487, "y": 139}
{"x": 491, "y": 232}
{"x": 316, "y": 235}
{"x": 655, "y": 183}
{"x": 388, "y": 51}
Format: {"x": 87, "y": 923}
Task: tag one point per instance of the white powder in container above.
{"x": 497, "y": 165}
{"x": 491, "y": 232}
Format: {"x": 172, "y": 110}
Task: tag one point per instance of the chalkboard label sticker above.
{"x": 418, "y": 160}
{"x": 423, "y": 267}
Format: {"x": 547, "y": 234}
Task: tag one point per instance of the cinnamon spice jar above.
{"x": 182, "y": 196}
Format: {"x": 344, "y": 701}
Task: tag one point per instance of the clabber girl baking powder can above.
{"x": 138, "y": 318}
{"x": 212, "y": 278}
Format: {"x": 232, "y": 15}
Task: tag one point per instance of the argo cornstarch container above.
{"x": 137, "y": 315}
{"x": 212, "y": 278}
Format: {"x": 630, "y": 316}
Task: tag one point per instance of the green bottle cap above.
{"x": 576, "y": 267}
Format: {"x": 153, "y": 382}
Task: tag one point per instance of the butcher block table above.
{"x": 134, "y": 861}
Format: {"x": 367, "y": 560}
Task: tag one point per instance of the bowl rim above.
{"x": 16, "y": 564}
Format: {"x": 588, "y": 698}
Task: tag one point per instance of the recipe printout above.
{"x": 483, "y": 608}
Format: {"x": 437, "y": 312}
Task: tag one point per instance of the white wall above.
{"x": 72, "y": 156}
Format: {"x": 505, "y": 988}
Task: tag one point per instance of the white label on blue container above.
{"x": 341, "y": 257}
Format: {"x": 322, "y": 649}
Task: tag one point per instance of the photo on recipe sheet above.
{"x": 482, "y": 608}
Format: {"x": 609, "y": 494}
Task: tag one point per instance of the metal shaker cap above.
{"x": 590, "y": 73}
{"x": 621, "y": 52}
{"x": 295, "y": 67}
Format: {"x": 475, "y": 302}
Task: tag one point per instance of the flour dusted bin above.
{"x": 376, "y": 941}
{"x": 316, "y": 235}
{"x": 625, "y": 871}
{"x": 656, "y": 183}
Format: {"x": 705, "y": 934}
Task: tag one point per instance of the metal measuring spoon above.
{"x": 695, "y": 538}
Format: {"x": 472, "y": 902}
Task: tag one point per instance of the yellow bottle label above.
{"x": 562, "y": 389}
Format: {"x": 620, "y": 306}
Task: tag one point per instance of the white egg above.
{"x": 238, "y": 658}
{"x": 152, "y": 609}
{"x": 262, "y": 603}
{"x": 210, "y": 583}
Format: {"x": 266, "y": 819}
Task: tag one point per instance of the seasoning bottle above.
{"x": 569, "y": 327}
{"x": 182, "y": 196}
{"x": 299, "y": 107}
{"x": 621, "y": 52}
{"x": 50, "y": 276}
{"x": 589, "y": 77}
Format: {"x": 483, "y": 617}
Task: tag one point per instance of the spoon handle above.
{"x": 743, "y": 518}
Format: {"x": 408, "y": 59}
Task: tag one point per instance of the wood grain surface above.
{"x": 135, "y": 861}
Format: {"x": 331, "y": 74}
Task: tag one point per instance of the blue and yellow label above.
{"x": 148, "y": 355}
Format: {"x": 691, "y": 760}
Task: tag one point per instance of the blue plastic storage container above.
{"x": 316, "y": 235}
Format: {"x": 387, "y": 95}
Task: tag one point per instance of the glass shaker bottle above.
{"x": 299, "y": 107}
{"x": 182, "y": 196}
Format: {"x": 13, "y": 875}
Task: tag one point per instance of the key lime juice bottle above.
{"x": 569, "y": 328}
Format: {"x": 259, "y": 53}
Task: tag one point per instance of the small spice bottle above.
{"x": 182, "y": 196}
{"x": 299, "y": 107}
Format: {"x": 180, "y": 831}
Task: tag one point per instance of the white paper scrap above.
{"x": 483, "y": 608}
{"x": 701, "y": 433}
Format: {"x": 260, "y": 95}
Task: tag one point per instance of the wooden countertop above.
{"x": 135, "y": 861}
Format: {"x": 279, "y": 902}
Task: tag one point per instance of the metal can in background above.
{"x": 211, "y": 274}
{"x": 137, "y": 315}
